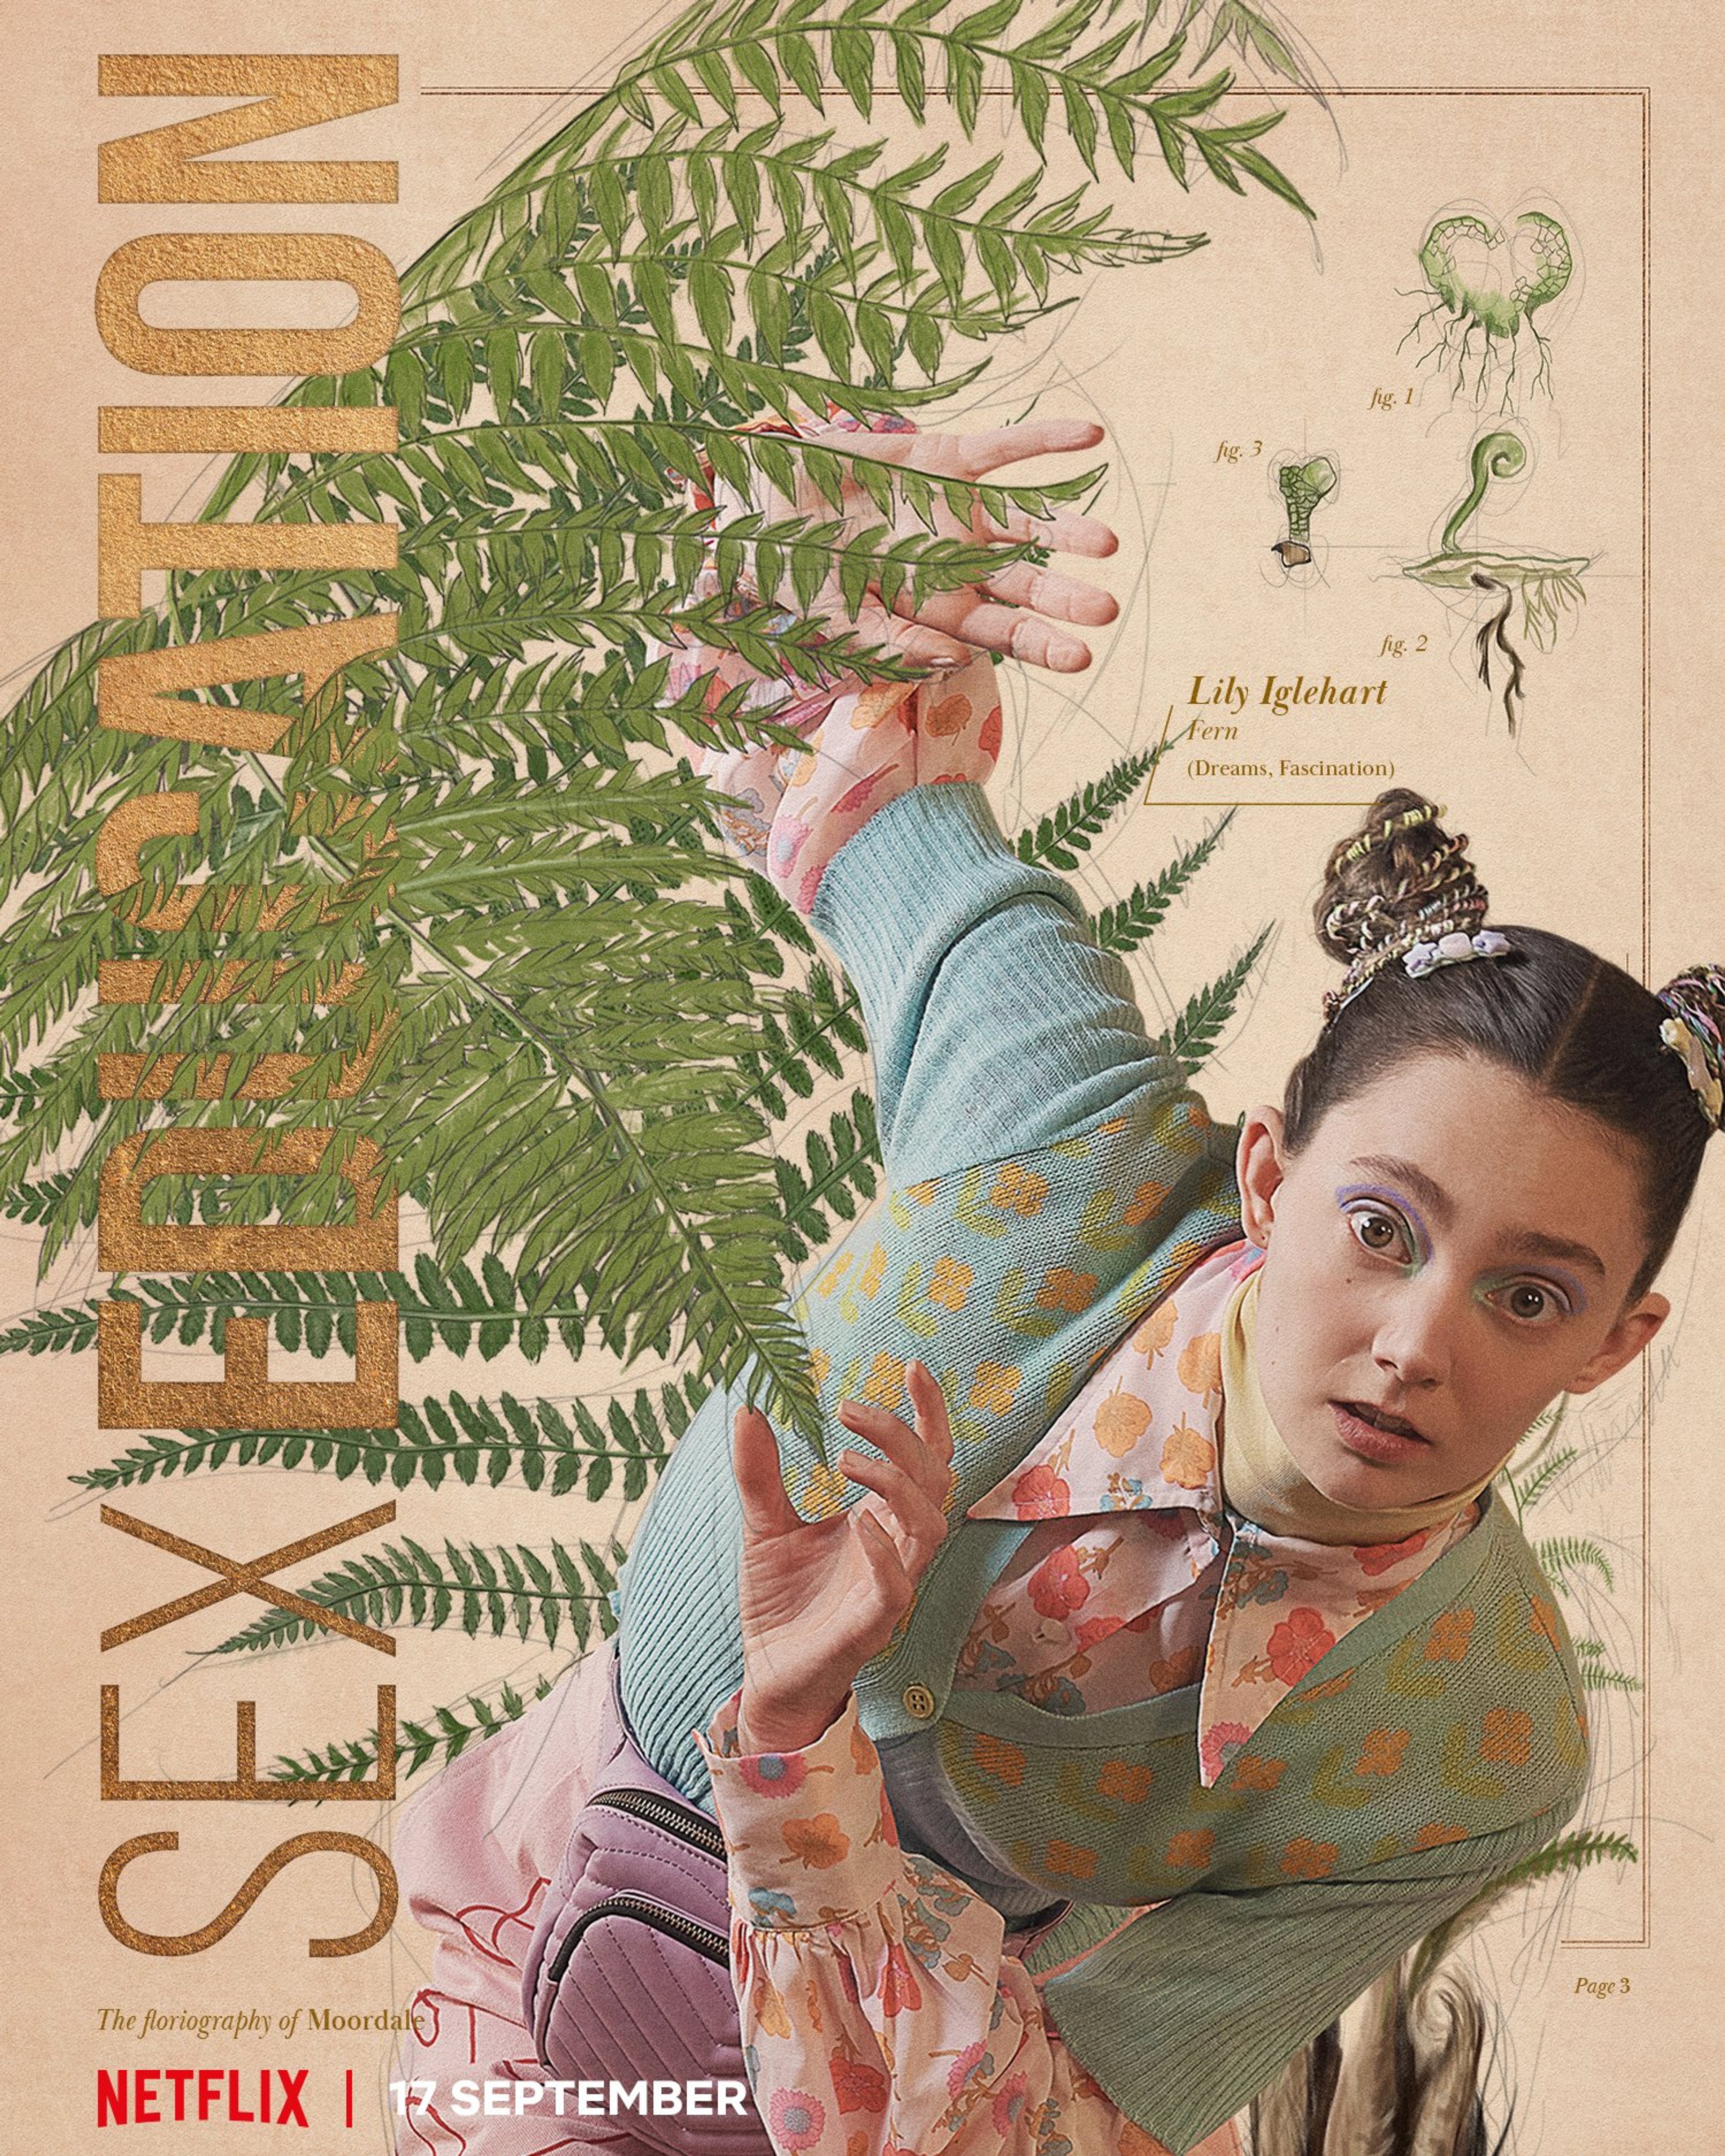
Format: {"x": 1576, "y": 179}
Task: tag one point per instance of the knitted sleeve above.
{"x": 996, "y": 1023}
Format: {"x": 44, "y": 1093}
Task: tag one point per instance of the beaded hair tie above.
{"x": 1694, "y": 1033}
{"x": 1447, "y": 929}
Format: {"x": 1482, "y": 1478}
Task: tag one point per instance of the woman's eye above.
{"x": 1380, "y": 1233}
{"x": 1530, "y": 1301}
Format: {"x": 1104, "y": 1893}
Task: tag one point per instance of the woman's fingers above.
{"x": 969, "y": 617}
{"x": 767, "y": 1509}
{"x": 977, "y": 455}
{"x": 909, "y": 1506}
{"x": 1047, "y": 591}
{"x": 1064, "y": 530}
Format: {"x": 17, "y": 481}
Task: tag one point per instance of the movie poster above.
{"x": 431, "y": 436}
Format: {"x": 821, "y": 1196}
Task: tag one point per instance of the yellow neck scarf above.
{"x": 1259, "y": 1479}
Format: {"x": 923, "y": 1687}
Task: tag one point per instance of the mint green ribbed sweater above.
{"x": 1048, "y": 1179}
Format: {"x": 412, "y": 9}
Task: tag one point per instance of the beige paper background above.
{"x": 1602, "y": 818}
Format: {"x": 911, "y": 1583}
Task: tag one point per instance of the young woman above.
{"x": 1092, "y": 1738}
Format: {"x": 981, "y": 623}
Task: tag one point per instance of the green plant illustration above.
{"x": 1549, "y": 586}
{"x": 471, "y": 900}
{"x": 1302, "y": 487}
{"x": 1488, "y": 280}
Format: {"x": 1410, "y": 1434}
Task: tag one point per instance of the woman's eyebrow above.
{"x": 1533, "y": 1242}
{"x": 1436, "y": 1201}
{"x": 1529, "y": 1242}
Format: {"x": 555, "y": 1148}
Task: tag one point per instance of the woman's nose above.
{"x": 1413, "y": 1342}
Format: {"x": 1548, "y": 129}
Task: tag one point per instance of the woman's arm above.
{"x": 879, "y": 2011}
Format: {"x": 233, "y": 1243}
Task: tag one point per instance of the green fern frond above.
{"x": 1557, "y": 1555}
{"x": 841, "y": 1161}
{"x": 1059, "y": 838}
{"x": 1195, "y": 1033}
{"x": 493, "y": 1589}
{"x": 1569, "y": 1853}
{"x": 1125, "y": 925}
{"x": 442, "y": 1735}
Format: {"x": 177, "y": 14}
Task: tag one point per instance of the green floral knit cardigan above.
{"x": 1048, "y": 1179}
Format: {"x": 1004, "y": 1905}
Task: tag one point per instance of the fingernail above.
{"x": 944, "y": 665}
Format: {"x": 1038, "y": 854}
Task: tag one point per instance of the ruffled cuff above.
{"x": 809, "y": 1834}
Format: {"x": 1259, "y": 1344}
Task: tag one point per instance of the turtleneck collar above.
{"x": 1259, "y": 1479}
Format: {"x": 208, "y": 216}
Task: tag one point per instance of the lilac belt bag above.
{"x": 628, "y": 1975}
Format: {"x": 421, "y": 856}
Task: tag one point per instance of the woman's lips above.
{"x": 1385, "y": 1438}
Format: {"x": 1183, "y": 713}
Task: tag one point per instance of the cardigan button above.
{"x": 919, "y": 1703}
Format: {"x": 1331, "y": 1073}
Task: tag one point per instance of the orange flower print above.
{"x": 1191, "y": 1851}
{"x": 1040, "y": 1494}
{"x": 1125, "y": 1781}
{"x": 923, "y": 1192}
{"x": 1135, "y": 2141}
{"x": 1019, "y": 1190}
{"x": 1004, "y": 1761}
{"x": 1146, "y": 1202}
{"x": 1253, "y": 1771}
{"x": 1435, "y": 1834}
{"x": 1120, "y": 1422}
{"x": 1382, "y": 1752}
{"x": 1379, "y": 1557}
{"x": 1062, "y": 1289}
{"x": 1071, "y": 1860}
{"x": 887, "y": 1831}
{"x": 1506, "y": 1740}
{"x": 899, "y": 1992}
{"x": 1095, "y": 1629}
{"x": 868, "y": 1281}
{"x": 1174, "y": 1672}
{"x": 858, "y": 2086}
{"x": 1448, "y": 1638}
{"x": 1057, "y": 1587}
{"x": 949, "y": 1284}
{"x": 817, "y": 1843}
{"x": 885, "y": 1384}
{"x": 995, "y": 1386}
{"x": 1217, "y": 1745}
{"x": 1189, "y": 1458}
{"x": 862, "y": 1749}
{"x": 1200, "y": 1364}
{"x": 1299, "y": 1644}
{"x": 825, "y": 1490}
{"x": 770, "y": 2010}
{"x": 1309, "y": 1859}
{"x": 1156, "y": 1332}
{"x": 950, "y": 715}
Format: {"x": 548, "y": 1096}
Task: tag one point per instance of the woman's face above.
{"x": 1448, "y": 1251}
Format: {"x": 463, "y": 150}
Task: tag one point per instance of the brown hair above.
{"x": 1580, "y": 1029}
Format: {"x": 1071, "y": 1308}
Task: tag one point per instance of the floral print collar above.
{"x": 1143, "y": 1438}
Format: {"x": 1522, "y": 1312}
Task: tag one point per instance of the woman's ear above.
{"x": 1622, "y": 1343}
{"x": 1260, "y": 1164}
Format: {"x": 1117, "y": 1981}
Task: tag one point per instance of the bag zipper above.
{"x": 681, "y": 1821}
{"x": 711, "y": 1945}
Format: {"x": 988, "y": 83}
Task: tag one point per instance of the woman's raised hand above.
{"x": 819, "y": 1597}
{"x": 1019, "y": 610}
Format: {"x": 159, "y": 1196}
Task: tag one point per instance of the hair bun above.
{"x": 1400, "y": 873}
{"x": 1696, "y": 1031}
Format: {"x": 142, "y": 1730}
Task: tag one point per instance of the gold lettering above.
{"x": 162, "y": 430}
{"x": 125, "y": 1244}
{"x": 198, "y": 1941}
{"x": 126, "y": 547}
{"x": 245, "y": 1397}
{"x": 248, "y": 1577}
{"x": 295, "y": 91}
{"x": 135, "y": 692}
{"x": 245, "y": 257}
{"x": 246, "y": 1788}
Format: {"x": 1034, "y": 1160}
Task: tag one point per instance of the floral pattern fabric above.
{"x": 881, "y": 2016}
{"x": 789, "y": 811}
{"x": 1161, "y": 1586}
